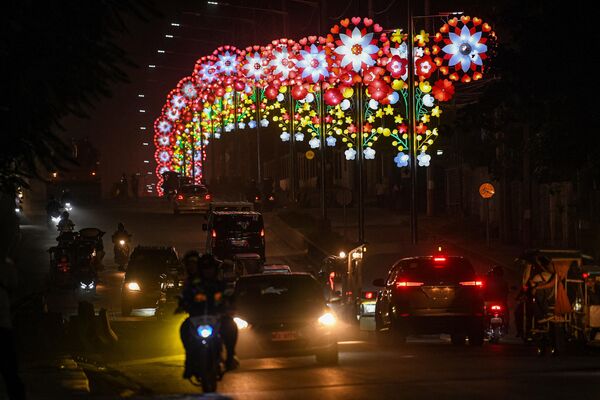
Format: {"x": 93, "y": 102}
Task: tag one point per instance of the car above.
{"x": 235, "y": 232}
{"x": 430, "y": 295}
{"x": 191, "y": 198}
{"x": 276, "y": 269}
{"x": 284, "y": 315}
{"x": 151, "y": 270}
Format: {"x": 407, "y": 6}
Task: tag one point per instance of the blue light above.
{"x": 205, "y": 331}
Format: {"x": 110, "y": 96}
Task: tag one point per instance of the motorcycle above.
{"x": 87, "y": 279}
{"x": 121, "y": 250}
{"x": 204, "y": 358}
{"x": 495, "y": 322}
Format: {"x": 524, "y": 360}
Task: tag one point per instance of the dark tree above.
{"x": 59, "y": 58}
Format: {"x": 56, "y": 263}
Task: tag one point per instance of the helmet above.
{"x": 65, "y": 215}
{"x": 120, "y": 226}
{"x": 190, "y": 259}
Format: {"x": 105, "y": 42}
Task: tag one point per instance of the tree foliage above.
{"x": 60, "y": 58}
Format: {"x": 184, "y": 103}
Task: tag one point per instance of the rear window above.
{"x": 153, "y": 257}
{"x": 436, "y": 270}
{"x": 238, "y": 223}
{"x": 280, "y": 289}
{"x": 191, "y": 190}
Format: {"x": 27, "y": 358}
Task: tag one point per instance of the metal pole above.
{"x": 213, "y": 152}
{"x": 322, "y": 149}
{"x": 258, "y": 169}
{"x": 291, "y": 112}
{"x": 359, "y": 162}
{"x": 487, "y": 222}
{"x": 411, "y": 128}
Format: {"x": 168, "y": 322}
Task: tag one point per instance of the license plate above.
{"x": 496, "y": 321}
{"x": 239, "y": 243}
{"x": 280, "y": 336}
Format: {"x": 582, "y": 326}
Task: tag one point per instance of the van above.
{"x": 235, "y": 232}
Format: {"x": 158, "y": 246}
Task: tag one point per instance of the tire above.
{"x": 329, "y": 356}
{"x": 457, "y": 339}
{"x": 126, "y": 310}
{"x": 209, "y": 382}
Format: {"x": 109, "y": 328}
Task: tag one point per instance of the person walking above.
{"x": 15, "y": 389}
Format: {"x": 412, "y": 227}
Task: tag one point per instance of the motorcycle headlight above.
{"x": 82, "y": 285}
{"x": 327, "y": 319}
{"x": 241, "y": 324}
{"x": 56, "y": 220}
{"x": 91, "y": 285}
{"x": 122, "y": 242}
{"x": 133, "y": 286}
{"x": 204, "y": 331}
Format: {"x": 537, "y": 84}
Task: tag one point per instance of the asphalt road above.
{"x": 150, "y": 355}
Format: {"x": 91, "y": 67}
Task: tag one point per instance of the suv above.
{"x": 235, "y": 232}
{"x": 191, "y": 198}
{"x": 149, "y": 272}
{"x": 230, "y": 206}
{"x": 427, "y": 295}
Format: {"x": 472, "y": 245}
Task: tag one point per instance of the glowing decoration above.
{"x": 227, "y": 60}
{"x": 401, "y": 160}
{"x": 314, "y": 143}
{"x": 443, "y": 90}
{"x": 254, "y": 66}
{"x": 357, "y": 50}
{"x": 350, "y": 154}
{"x": 423, "y": 159}
{"x": 310, "y": 155}
{"x": 299, "y": 136}
{"x": 285, "y": 136}
{"x": 312, "y": 64}
{"x": 465, "y": 46}
{"x": 369, "y": 153}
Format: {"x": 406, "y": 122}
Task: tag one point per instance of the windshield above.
{"x": 238, "y": 223}
{"x": 192, "y": 190}
{"x": 269, "y": 290}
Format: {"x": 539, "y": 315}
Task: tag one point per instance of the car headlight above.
{"x": 122, "y": 242}
{"x": 241, "y": 324}
{"x": 327, "y": 319}
{"x": 133, "y": 286}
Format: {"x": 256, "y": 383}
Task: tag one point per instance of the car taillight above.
{"x": 439, "y": 259}
{"x": 369, "y": 295}
{"x": 207, "y": 197}
{"x": 214, "y": 233}
{"x": 179, "y": 197}
{"x": 496, "y": 307}
{"x": 404, "y": 284}
{"x": 472, "y": 283}
{"x": 256, "y": 198}
{"x": 585, "y": 275}
{"x": 262, "y": 233}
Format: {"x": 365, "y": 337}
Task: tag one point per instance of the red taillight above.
{"x": 262, "y": 233}
{"x": 63, "y": 265}
{"x": 403, "y": 284}
{"x": 496, "y": 307}
{"x": 369, "y": 295}
{"x": 439, "y": 259}
{"x": 585, "y": 275}
{"x": 207, "y": 197}
{"x": 179, "y": 197}
{"x": 214, "y": 233}
{"x": 256, "y": 198}
{"x": 472, "y": 283}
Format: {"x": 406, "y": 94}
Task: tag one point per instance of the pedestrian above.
{"x": 135, "y": 182}
{"x": 15, "y": 389}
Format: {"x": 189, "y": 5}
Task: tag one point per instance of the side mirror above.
{"x": 204, "y": 227}
{"x": 379, "y": 282}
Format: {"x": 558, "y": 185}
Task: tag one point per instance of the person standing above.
{"x": 15, "y": 389}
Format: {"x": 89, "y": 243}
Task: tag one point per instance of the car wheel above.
{"x": 329, "y": 356}
{"x": 457, "y": 339}
{"x": 125, "y": 310}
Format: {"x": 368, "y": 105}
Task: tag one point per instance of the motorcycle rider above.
{"x": 65, "y": 224}
{"x": 204, "y": 292}
{"x": 66, "y": 198}
{"x": 120, "y": 233}
{"x": 496, "y": 290}
{"x": 52, "y": 208}
{"x": 121, "y": 250}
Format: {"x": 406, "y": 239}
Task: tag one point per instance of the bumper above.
{"x": 139, "y": 300}
{"x": 253, "y": 344}
{"x": 432, "y": 324}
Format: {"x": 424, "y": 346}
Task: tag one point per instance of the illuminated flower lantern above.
{"x": 253, "y": 68}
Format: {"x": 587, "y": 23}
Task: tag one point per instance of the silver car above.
{"x": 192, "y": 198}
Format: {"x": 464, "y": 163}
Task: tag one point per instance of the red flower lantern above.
{"x": 443, "y": 90}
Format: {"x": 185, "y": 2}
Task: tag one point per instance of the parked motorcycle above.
{"x": 495, "y": 322}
